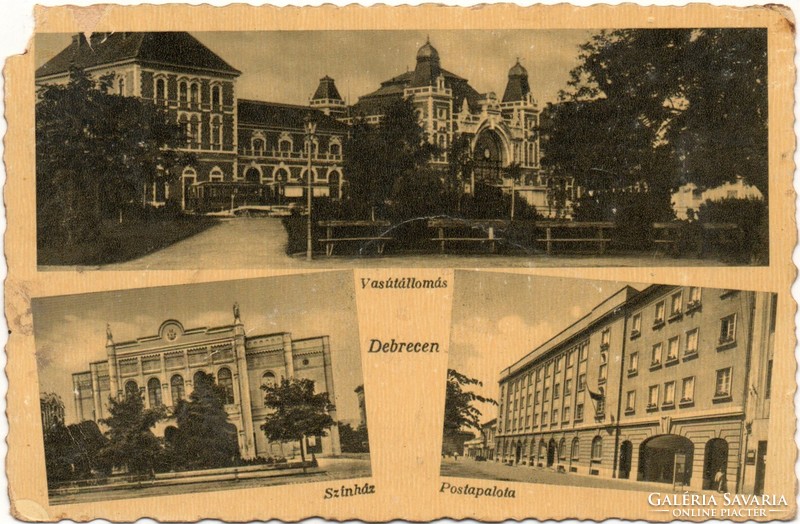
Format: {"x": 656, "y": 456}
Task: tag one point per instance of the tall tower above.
{"x": 327, "y": 98}
{"x": 520, "y": 110}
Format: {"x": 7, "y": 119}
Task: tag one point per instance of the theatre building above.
{"x": 670, "y": 384}
{"x": 163, "y": 366}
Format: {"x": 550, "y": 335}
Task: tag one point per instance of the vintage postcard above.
{"x": 545, "y": 251}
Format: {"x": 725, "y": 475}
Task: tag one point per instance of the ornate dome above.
{"x": 427, "y": 52}
{"x": 517, "y": 70}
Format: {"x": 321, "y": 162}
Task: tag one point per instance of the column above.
{"x": 96, "y": 393}
{"x": 334, "y": 429}
{"x": 245, "y": 406}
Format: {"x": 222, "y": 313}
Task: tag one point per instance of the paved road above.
{"x": 259, "y": 243}
{"x": 469, "y": 468}
{"x": 331, "y": 469}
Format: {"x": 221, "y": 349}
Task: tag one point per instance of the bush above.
{"x": 751, "y": 245}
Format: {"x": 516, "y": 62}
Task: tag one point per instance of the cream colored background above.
{"x": 404, "y": 393}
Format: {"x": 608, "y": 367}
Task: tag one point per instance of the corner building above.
{"x": 670, "y": 385}
{"x": 164, "y": 366}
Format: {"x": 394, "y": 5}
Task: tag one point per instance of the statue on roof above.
{"x": 236, "y": 317}
{"x": 109, "y": 337}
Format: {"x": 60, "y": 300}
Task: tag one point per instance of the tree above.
{"x": 654, "y": 109}
{"x": 131, "y": 443}
{"x": 203, "y": 437}
{"x": 297, "y": 412}
{"x": 460, "y": 412}
{"x": 377, "y": 156}
{"x": 353, "y": 440}
{"x": 96, "y": 151}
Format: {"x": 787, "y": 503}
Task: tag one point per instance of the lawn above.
{"x": 118, "y": 242}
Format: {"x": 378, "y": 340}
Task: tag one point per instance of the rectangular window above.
{"x": 687, "y": 390}
{"x": 727, "y": 329}
{"x": 535, "y": 420}
{"x": 659, "y": 316}
{"x": 636, "y": 324}
{"x": 566, "y": 414}
{"x": 582, "y": 355}
{"x": 676, "y": 304}
{"x": 656, "y": 355}
{"x": 581, "y": 381}
{"x": 605, "y": 337}
{"x": 579, "y": 412}
{"x": 630, "y": 404}
{"x": 601, "y": 407}
{"x": 603, "y": 372}
{"x": 723, "y": 388}
{"x": 570, "y": 359}
{"x": 672, "y": 349}
{"x": 547, "y": 369}
{"x": 669, "y": 393}
{"x": 695, "y": 294}
{"x": 545, "y": 394}
{"x": 556, "y": 390}
{"x": 568, "y": 387}
{"x": 555, "y": 417}
{"x": 652, "y": 397}
{"x": 692, "y": 338}
{"x": 544, "y": 418}
{"x": 558, "y": 365}
{"x": 633, "y": 363}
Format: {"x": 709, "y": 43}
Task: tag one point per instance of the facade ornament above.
{"x": 109, "y": 337}
{"x": 236, "y": 317}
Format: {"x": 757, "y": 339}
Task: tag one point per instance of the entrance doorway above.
{"x": 761, "y": 467}
{"x": 551, "y": 453}
{"x": 489, "y": 157}
{"x": 517, "y": 453}
{"x": 625, "y": 459}
{"x": 657, "y": 459}
{"x": 716, "y": 459}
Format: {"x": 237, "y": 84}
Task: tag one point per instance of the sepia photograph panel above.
{"x": 200, "y": 387}
{"x": 609, "y": 385}
{"x": 444, "y": 148}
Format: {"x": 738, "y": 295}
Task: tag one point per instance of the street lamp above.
{"x": 310, "y": 130}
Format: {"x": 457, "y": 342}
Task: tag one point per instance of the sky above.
{"x": 499, "y": 318}
{"x": 285, "y": 66}
{"x": 70, "y": 332}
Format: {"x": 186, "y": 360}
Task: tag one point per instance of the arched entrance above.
{"x": 489, "y": 156}
{"x": 658, "y": 457}
{"x": 551, "y": 453}
{"x": 252, "y": 176}
{"x": 625, "y": 459}
{"x": 517, "y": 453}
{"x": 715, "y": 459}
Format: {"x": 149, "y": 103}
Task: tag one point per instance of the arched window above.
{"x": 268, "y": 379}
{"x": 194, "y": 93}
{"x": 285, "y": 143}
{"x": 216, "y": 130}
{"x": 194, "y": 133}
{"x": 198, "y": 377}
{"x": 216, "y": 95}
{"x": 258, "y": 145}
{"x": 225, "y": 380}
{"x": 183, "y": 91}
{"x": 131, "y": 388}
{"x": 154, "y": 392}
{"x": 575, "y": 453}
{"x": 178, "y": 391}
{"x": 335, "y": 149}
{"x": 562, "y": 449}
{"x": 160, "y": 89}
{"x": 597, "y": 449}
{"x": 216, "y": 175}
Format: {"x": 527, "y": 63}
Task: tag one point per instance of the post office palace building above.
{"x": 670, "y": 384}
{"x": 255, "y": 152}
{"x": 163, "y": 367}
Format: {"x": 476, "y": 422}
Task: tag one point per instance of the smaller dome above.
{"x": 518, "y": 70}
{"x": 427, "y": 52}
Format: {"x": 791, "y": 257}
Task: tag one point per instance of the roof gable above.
{"x": 165, "y": 48}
